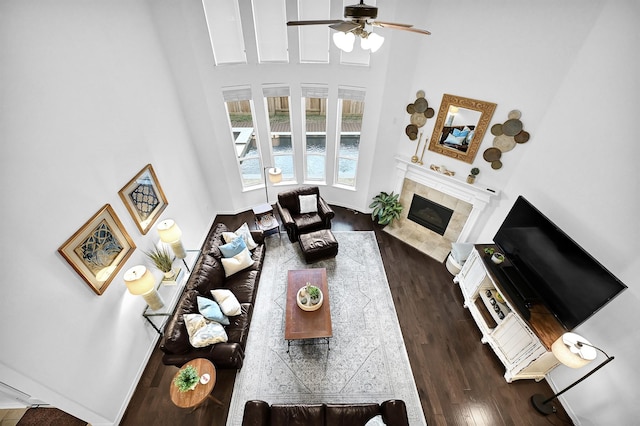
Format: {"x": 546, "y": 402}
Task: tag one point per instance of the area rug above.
{"x": 366, "y": 360}
{"x": 48, "y": 417}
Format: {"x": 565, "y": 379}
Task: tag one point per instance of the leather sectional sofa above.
{"x": 208, "y": 274}
{"x": 260, "y": 413}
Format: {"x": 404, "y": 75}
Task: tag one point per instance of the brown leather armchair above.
{"x": 297, "y": 223}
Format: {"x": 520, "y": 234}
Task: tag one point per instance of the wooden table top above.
{"x": 194, "y": 397}
{"x": 301, "y": 324}
{"x": 542, "y": 322}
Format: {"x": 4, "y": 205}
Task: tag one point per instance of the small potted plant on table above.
{"x": 187, "y": 379}
{"x": 472, "y": 175}
{"x": 162, "y": 260}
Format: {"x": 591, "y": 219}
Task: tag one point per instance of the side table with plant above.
{"x": 187, "y": 379}
{"x": 162, "y": 260}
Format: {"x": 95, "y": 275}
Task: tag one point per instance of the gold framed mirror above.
{"x": 460, "y": 127}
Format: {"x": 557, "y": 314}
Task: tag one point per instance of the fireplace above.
{"x": 429, "y": 214}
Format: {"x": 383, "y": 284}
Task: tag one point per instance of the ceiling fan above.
{"x": 358, "y": 16}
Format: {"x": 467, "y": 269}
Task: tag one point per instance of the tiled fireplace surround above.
{"x": 467, "y": 202}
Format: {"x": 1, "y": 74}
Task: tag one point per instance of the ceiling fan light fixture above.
{"x": 372, "y": 42}
{"x": 344, "y": 41}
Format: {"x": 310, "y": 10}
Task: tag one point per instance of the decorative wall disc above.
{"x": 504, "y": 143}
{"x": 418, "y": 118}
{"x": 492, "y": 154}
{"x": 512, "y": 127}
{"x": 420, "y": 112}
{"x": 514, "y": 114}
{"x": 507, "y": 136}
{"x": 522, "y": 137}
{"x": 420, "y": 105}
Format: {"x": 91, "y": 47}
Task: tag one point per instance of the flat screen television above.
{"x": 547, "y": 266}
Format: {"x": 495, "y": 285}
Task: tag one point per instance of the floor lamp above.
{"x": 573, "y": 351}
{"x": 275, "y": 176}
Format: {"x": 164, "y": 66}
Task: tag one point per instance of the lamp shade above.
{"x": 373, "y": 42}
{"x": 344, "y": 41}
{"x": 139, "y": 280}
{"x": 568, "y": 350}
{"x": 169, "y": 231}
{"x": 275, "y": 175}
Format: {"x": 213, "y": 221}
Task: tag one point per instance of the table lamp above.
{"x": 141, "y": 282}
{"x": 170, "y": 233}
{"x": 573, "y": 351}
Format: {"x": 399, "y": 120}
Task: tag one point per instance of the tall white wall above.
{"x": 87, "y": 100}
{"x": 571, "y": 68}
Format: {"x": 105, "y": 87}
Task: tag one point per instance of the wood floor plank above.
{"x": 459, "y": 380}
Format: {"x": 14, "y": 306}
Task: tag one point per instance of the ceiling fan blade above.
{"x": 413, "y": 30}
{"x": 345, "y": 26}
{"x": 326, "y": 22}
{"x": 396, "y": 26}
{"x": 389, "y": 24}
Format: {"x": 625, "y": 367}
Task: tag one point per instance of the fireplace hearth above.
{"x": 429, "y": 214}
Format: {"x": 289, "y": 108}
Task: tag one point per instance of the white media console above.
{"x": 523, "y": 346}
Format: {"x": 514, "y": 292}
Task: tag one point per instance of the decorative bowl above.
{"x": 304, "y": 301}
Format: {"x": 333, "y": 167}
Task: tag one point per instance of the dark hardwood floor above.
{"x": 459, "y": 380}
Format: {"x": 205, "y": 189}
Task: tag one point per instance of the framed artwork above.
{"x": 144, "y": 198}
{"x": 99, "y": 249}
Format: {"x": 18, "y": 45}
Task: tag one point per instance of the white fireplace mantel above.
{"x": 478, "y": 196}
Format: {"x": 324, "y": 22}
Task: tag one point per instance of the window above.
{"x": 350, "y": 110}
{"x": 240, "y": 111}
{"x": 315, "y": 118}
{"x": 277, "y": 103}
{"x": 271, "y": 33}
{"x": 314, "y": 39}
{"x": 225, "y": 31}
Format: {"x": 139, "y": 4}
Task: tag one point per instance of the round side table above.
{"x": 194, "y": 398}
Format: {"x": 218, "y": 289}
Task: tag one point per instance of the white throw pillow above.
{"x": 376, "y": 421}
{"x": 243, "y": 232}
{"x": 308, "y": 203}
{"x": 237, "y": 263}
{"x": 228, "y": 302}
{"x": 202, "y": 332}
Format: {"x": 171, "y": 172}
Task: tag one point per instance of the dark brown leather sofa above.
{"x": 296, "y": 223}
{"x": 260, "y": 413}
{"x": 208, "y": 274}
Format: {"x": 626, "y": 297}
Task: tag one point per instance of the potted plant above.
{"x": 314, "y": 294}
{"x": 386, "y": 208}
{"x": 187, "y": 379}
{"x": 162, "y": 260}
{"x": 472, "y": 175}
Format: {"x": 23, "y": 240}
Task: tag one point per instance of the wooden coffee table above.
{"x": 193, "y": 398}
{"x": 299, "y": 324}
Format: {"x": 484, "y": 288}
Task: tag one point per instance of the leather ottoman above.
{"x": 318, "y": 245}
